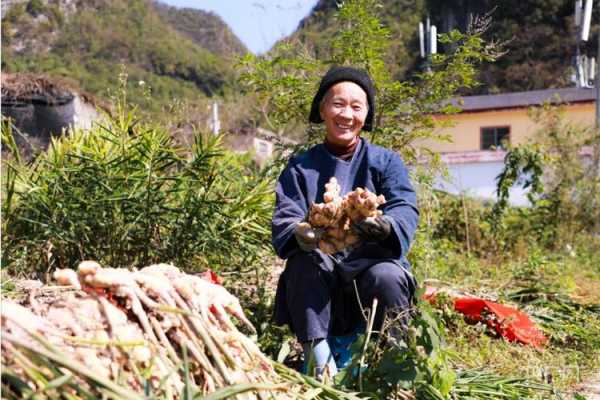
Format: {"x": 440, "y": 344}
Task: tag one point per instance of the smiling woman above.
{"x": 345, "y": 101}
{"x": 315, "y": 295}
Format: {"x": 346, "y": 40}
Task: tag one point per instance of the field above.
{"x": 128, "y": 194}
{"x": 205, "y": 207}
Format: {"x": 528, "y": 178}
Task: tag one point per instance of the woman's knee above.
{"x": 389, "y": 283}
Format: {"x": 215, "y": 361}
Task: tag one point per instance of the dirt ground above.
{"x": 590, "y": 388}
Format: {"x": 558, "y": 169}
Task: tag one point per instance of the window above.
{"x": 496, "y": 137}
{"x": 262, "y": 147}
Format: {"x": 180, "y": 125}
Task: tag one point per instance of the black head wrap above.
{"x": 341, "y": 74}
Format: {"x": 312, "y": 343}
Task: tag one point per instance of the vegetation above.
{"x": 539, "y": 38}
{"x": 285, "y": 80}
{"x": 89, "y": 46}
{"x": 470, "y": 245}
{"x": 204, "y": 28}
{"x": 127, "y": 195}
{"x": 316, "y": 31}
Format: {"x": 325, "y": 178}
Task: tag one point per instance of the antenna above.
{"x": 427, "y": 42}
{"x": 421, "y": 40}
{"x": 433, "y": 38}
{"x": 428, "y": 33}
{"x": 587, "y": 18}
{"x": 585, "y": 71}
{"x": 216, "y": 123}
{"x": 580, "y": 72}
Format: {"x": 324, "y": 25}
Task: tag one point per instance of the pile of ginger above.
{"x": 333, "y": 218}
{"x": 116, "y": 322}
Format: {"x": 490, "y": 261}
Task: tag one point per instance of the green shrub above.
{"x": 36, "y": 7}
{"x": 126, "y": 194}
{"x": 562, "y": 171}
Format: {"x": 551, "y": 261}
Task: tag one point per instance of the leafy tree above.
{"x": 285, "y": 80}
{"x": 317, "y": 31}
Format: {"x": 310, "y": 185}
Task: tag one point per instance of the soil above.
{"x": 590, "y": 389}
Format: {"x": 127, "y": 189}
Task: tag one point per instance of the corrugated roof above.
{"x": 524, "y": 99}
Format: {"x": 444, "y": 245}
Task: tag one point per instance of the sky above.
{"x": 258, "y": 23}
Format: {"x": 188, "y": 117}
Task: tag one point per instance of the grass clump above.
{"x": 555, "y": 288}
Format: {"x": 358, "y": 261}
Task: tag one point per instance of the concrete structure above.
{"x": 479, "y": 132}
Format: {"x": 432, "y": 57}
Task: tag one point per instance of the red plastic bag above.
{"x": 509, "y": 322}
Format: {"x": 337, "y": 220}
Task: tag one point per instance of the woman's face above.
{"x": 344, "y": 110}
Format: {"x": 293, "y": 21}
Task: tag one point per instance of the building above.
{"x": 480, "y": 131}
{"x": 41, "y": 107}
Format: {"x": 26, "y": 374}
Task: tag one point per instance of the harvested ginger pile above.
{"x": 112, "y": 324}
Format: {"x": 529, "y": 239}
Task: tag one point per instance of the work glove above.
{"x": 374, "y": 228}
{"x": 306, "y": 236}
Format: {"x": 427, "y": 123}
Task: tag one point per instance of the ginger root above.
{"x": 329, "y": 213}
{"x": 362, "y": 203}
{"x": 336, "y": 214}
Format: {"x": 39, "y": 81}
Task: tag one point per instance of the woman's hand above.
{"x": 374, "y": 228}
{"x": 306, "y": 236}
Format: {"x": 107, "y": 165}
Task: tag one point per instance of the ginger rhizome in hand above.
{"x": 333, "y": 217}
{"x": 362, "y": 203}
{"x": 328, "y": 213}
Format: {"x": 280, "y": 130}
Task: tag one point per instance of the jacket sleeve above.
{"x": 400, "y": 206}
{"x": 290, "y": 208}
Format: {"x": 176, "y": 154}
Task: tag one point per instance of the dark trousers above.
{"x": 317, "y": 303}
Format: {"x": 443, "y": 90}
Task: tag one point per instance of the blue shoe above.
{"x": 340, "y": 347}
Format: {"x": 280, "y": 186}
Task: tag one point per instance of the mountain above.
{"x": 204, "y": 28}
{"x": 539, "y": 37}
{"x": 91, "y": 41}
{"x": 401, "y": 16}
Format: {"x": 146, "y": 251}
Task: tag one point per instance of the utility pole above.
{"x": 215, "y": 123}
{"x": 577, "y": 60}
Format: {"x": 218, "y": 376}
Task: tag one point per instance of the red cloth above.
{"x": 211, "y": 276}
{"x": 509, "y": 322}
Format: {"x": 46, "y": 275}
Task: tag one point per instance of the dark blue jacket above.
{"x": 373, "y": 167}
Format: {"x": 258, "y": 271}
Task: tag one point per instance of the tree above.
{"x": 285, "y": 80}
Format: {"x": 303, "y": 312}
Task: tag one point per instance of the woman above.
{"x": 315, "y": 294}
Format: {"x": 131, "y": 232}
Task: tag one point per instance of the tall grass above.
{"x": 126, "y": 194}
